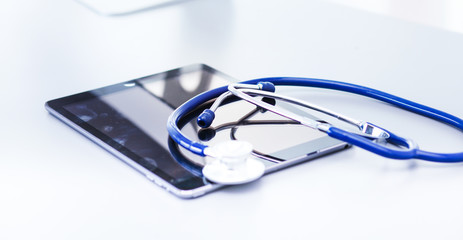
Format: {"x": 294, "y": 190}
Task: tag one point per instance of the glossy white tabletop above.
{"x": 56, "y": 184}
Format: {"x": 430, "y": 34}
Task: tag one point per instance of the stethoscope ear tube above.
{"x": 402, "y": 103}
{"x": 408, "y": 150}
{"x": 406, "y": 153}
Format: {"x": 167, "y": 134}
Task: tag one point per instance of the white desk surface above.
{"x": 56, "y": 184}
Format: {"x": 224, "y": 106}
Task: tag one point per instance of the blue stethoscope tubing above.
{"x": 337, "y": 133}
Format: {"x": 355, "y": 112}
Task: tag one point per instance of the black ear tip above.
{"x": 206, "y": 134}
{"x": 268, "y": 100}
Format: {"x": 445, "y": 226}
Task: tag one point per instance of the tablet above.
{"x": 129, "y": 120}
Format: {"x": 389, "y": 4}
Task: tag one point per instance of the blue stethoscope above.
{"x": 230, "y": 162}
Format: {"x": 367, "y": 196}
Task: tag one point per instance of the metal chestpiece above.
{"x": 232, "y": 163}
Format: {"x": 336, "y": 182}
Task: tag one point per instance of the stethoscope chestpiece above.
{"x": 232, "y": 163}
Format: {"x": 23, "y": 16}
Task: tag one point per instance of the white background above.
{"x": 56, "y": 184}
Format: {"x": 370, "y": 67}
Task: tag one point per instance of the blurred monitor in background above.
{"x": 124, "y": 7}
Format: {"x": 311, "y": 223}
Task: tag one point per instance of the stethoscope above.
{"x": 229, "y": 162}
